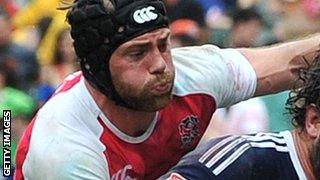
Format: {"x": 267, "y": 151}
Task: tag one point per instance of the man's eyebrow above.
{"x": 145, "y": 42}
{"x": 138, "y": 44}
{"x": 142, "y": 44}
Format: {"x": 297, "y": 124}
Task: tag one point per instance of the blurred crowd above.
{"x": 36, "y": 51}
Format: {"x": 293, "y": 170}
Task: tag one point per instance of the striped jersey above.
{"x": 71, "y": 138}
{"x": 261, "y": 156}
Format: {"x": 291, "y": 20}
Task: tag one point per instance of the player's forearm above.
{"x": 277, "y": 67}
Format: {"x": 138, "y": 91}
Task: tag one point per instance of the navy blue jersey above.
{"x": 261, "y": 156}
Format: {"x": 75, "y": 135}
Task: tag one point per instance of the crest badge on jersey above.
{"x": 124, "y": 174}
{"x": 189, "y": 130}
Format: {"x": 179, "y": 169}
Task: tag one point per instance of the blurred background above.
{"x": 36, "y": 52}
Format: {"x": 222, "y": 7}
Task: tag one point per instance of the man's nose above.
{"x": 157, "y": 63}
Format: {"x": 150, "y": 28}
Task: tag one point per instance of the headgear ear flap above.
{"x": 99, "y": 27}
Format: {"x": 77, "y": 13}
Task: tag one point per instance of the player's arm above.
{"x": 277, "y": 67}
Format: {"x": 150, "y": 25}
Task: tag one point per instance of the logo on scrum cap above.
{"x": 143, "y": 15}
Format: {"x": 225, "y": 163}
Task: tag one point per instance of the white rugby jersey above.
{"x": 70, "y": 137}
{"x": 261, "y": 156}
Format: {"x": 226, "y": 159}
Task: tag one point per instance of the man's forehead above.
{"x": 146, "y": 38}
{"x": 158, "y": 34}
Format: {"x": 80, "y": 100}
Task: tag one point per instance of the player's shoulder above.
{"x": 192, "y": 70}
{"x": 194, "y": 50}
{"x": 70, "y": 100}
{"x": 244, "y": 152}
{"x": 234, "y": 157}
{"x": 194, "y": 56}
{"x": 69, "y": 117}
{"x": 206, "y": 69}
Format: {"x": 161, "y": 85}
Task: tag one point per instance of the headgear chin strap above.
{"x": 99, "y": 27}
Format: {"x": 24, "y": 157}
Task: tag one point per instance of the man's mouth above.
{"x": 161, "y": 88}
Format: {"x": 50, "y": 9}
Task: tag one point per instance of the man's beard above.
{"x": 315, "y": 158}
{"x": 144, "y": 99}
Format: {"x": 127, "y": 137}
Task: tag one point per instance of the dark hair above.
{"x": 245, "y": 15}
{"x": 309, "y": 93}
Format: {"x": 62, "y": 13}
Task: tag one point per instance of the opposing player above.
{"x": 276, "y": 156}
{"x": 137, "y": 107}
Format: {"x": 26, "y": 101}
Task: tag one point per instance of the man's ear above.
{"x": 312, "y": 121}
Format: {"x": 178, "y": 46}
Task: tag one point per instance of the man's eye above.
{"x": 137, "y": 53}
{"x": 164, "y": 47}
